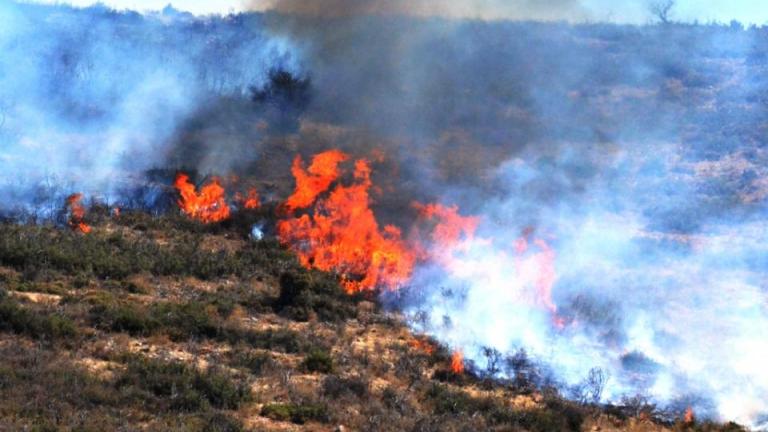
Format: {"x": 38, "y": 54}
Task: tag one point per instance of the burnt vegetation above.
{"x": 180, "y": 326}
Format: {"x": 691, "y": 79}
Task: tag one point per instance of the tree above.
{"x": 661, "y": 9}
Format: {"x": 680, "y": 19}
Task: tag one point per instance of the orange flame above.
{"x": 77, "y": 213}
{"x": 250, "y": 201}
{"x": 450, "y": 232}
{"x": 342, "y": 233}
{"x": 422, "y": 345}
{"x": 323, "y": 171}
{"x": 208, "y": 206}
{"x": 689, "y": 417}
{"x": 457, "y": 363}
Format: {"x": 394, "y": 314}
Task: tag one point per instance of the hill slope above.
{"x": 163, "y": 324}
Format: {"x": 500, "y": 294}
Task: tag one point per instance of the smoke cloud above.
{"x": 92, "y": 98}
{"x": 472, "y": 9}
{"x": 631, "y": 157}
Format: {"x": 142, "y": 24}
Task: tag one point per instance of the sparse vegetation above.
{"x": 181, "y": 387}
{"x": 36, "y": 324}
{"x": 296, "y": 413}
{"x": 179, "y": 345}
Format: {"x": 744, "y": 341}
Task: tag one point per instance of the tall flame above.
{"x": 315, "y": 180}
{"x": 208, "y": 206}
{"x": 457, "y": 362}
{"x": 689, "y": 418}
{"x": 341, "y": 232}
{"x": 77, "y": 213}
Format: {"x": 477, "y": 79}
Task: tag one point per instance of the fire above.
{"x": 208, "y": 206}
{"x": 77, "y": 213}
{"x": 449, "y": 231}
{"x": 422, "y": 345}
{"x": 250, "y": 201}
{"x": 457, "y": 363}
{"x": 537, "y": 267}
{"x": 340, "y": 233}
{"x": 315, "y": 180}
{"x": 689, "y": 417}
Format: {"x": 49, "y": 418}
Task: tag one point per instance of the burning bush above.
{"x": 340, "y": 233}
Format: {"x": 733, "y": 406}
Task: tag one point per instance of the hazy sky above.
{"x": 747, "y": 11}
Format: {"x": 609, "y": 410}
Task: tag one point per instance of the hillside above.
{"x": 160, "y": 323}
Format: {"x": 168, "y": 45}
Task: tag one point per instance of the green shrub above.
{"x": 318, "y": 361}
{"x": 296, "y": 413}
{"x": 219, "y": 422}
{"x": 185, "y": 388}
{"x": 254, "y": 362}
{"x": 36, "y": 324}
{"x": 182, "y": 321}
{"x": 304, "y": 292}
{"x": 123, "y": 317}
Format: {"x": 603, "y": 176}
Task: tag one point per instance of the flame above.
{"x": 421, "y": 344}
{"x": 689, "y": 417}
{"x": 537, "y": 268}
{"x": 208, "y": 206}
{"x": 250, "y": 201}
{"x": 528, "y": 264}
{"x": 450, "y": 233}
{"x": 315, "y": 180}
{"x": 341, "y": 232}
{"x": 457, "y": 363}
{"x": 77, "y": 213}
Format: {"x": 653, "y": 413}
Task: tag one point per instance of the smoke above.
{"x": 91, "y": 98}
{"x": 626, "y": 150}
{"x": 471, "y": 9}
{"x": 674, "y": 316}
{"x": 634, "y": 153}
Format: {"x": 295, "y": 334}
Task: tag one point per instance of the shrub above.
{"x": 36, "y": 324}
{"x": 123, "y": 317}
{"x": 336, "y": 387}
{"x": 318, "y": 361}
{"x": 185, "y": 388}
{"x": 219, "y": 422}
{"x": 182, "y": 321}
{"x": 304, "y": 293}
{"x": 296, "y": 413}
{"x": 254, "y": 362}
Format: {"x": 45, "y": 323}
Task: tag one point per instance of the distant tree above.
{"x": 661, "y": 9}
